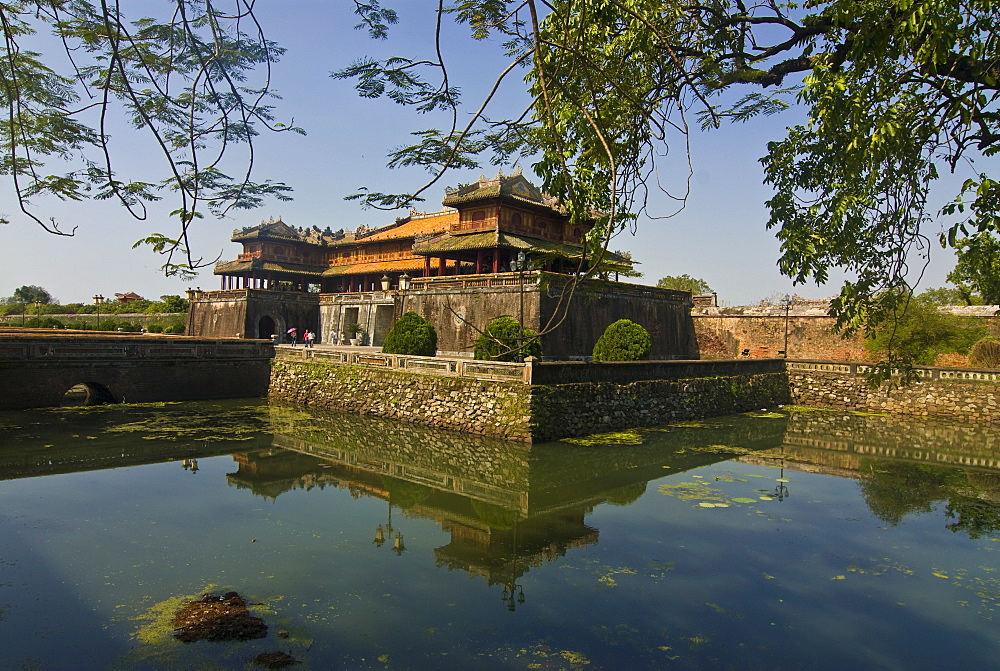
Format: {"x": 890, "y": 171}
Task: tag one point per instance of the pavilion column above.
{"x": 427, "y": 266}
{"x": 442, "y": 266}
{"x": 496, "y": 260}
{"x": 479, "y": 262}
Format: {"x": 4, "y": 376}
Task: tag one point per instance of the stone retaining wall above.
{"x": 973, "y": 401}
{"x": 565, "y": 410}
{"x": 513, "y": 409}
{"x": 492, "y": 408}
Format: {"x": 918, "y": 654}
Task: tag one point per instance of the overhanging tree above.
{"x": 195, "y": 79}
{"x": 977, "y": 267}
{"x": 897, "y": 93}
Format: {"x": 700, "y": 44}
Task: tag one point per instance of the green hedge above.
{"x": 411, "y": 334}
{"x": 623, "y": 341}
{"x": 499, "y": 342}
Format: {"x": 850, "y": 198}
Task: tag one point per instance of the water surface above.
{"x": 808, "y": 540}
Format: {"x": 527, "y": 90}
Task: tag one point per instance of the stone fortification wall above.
{"x": 597, "y": 304}
{"x": 956, "y": 394}
{"x": 759, "y": 331}
{"x": 38, "y": 367}
{"x": 809, "y": 337}
{"x": 251, "y": 313}
{"x": 578, "y": 409}
{"x": 491, "y": 408}
{"x": 513, "y": 409}
{"x": 624, "y": 372}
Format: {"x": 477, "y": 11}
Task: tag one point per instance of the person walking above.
{"x": 309, "y": 337}
{"x": 293, "y": 335}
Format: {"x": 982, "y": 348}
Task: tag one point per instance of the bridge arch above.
{"x": 87, "y": 393}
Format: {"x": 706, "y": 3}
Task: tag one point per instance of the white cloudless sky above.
{"x": 720, "y": 235}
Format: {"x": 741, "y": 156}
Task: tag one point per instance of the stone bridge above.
{"x": 38, "y": 367}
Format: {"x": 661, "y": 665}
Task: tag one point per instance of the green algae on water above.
{"x": 629, "y": 437}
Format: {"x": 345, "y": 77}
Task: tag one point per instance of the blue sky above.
{"x": 720, "y": 236}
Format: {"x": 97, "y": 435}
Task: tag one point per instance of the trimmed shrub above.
{"x": 985, "y": 354}
{"x": 623, "y": 341}
{"x": 45, "y": 323}
{"x": 411, "y": 334}
{"x": 499, "y": 342}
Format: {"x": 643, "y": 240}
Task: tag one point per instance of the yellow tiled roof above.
{"x": 396, "y": 266}
{"x": 414, "y": 227}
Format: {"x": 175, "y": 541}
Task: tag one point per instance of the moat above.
{"x": 800, "y": 538}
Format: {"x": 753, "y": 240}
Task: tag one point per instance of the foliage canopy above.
{"x": 977, "y": 268}
{"x": 29, "y": 293}
{"x": 920, "y": 332}
{"x": 897, "y": 93}
{"x": 684, "y": 282}
{"x": 195, "y": 79}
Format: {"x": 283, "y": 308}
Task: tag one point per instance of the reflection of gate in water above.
{"x": 383, "y": 322}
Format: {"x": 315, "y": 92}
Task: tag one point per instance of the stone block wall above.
{"x": 973, "y": 401}
{"x": 566, "y": 410}
{"x": 252, "y": 313}
{"x": 515, "y": 410}
{"x": 809, "y": 337}
{"x": 485, "y": 407}
{"x": 38, "y": 367}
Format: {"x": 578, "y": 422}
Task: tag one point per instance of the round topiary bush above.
{"x": 499, "y": 341}
{"x": 985, "y": 354}
{"x": 411, "y": 334}
{"x": 623, "y": 341}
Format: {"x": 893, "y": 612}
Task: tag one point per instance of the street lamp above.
{"x": 518, "y": 266}
{"x": 98, "y": 299}
{"x": 38, "y": 308}
{"x": 787, "y": 301}
{"x": 385, "y": 283}
{"x": 404, "y": 284}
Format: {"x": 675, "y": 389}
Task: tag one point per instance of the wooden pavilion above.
{"x": 483, "y": 228}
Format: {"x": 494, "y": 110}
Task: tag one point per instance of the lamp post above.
{"x": 787, "y": 301}
{"x": 519, "y": 265}
{"x": 98, "y": 299}
{"x": 404, "y": 284}
{"x": 38, "y": 308}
